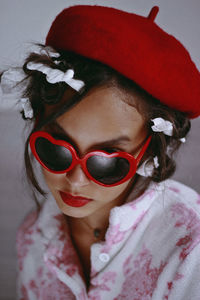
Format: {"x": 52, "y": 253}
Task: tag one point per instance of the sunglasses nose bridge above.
{"x": 76, "y": 176}
{"x": 78, "y": 161}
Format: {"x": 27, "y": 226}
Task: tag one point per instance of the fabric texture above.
{"x": 151, "y": 251}
{"x": 140, "y": 50}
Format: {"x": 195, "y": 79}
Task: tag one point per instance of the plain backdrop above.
{"x": 23, "y": 22}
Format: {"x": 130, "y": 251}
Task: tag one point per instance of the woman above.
{"x": 107, "y": 121}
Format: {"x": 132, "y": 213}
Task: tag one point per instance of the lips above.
{"x": 75, "y": 201}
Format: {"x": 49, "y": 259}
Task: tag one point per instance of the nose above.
{"x": 77, "y": 178}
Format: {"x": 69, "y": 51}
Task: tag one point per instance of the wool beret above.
{"x": 136, "y": 47}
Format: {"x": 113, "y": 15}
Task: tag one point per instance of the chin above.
{"x": 76, "y": 212}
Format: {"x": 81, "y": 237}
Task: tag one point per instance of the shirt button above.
{"x": 104, "y": 257}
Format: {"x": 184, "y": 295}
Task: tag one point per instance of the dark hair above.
{"x": 43, "y": 94}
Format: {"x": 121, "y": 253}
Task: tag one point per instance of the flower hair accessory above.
{"x": 10, "y": 80}
{"x": 13, "y": 84}
{"x": 147, "y": 168}
{"x": 27, "y": 108}
{"x": 161, "y": 125}
{"x": 55, "y": 75}
{"x": 49, "y": 51}
{"x": 183, "y": 140}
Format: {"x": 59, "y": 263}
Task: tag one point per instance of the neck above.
{"x": 87, "y": 225}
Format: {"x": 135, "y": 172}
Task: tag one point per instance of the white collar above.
{"x": 125, "y": 216}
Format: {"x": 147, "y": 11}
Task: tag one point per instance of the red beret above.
{"x": 134, "y": 46}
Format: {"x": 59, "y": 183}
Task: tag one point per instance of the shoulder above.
{"x": 38, "y": 224}
{"x": 175, "y": 216}
{"x": 24, "y": 238}
{"x": 172, "y": 192}
{"x": 28, "y": 228}
{"x": 39, "y": 219}
{"x": 178, "y": 204}
{"x": 25, "y": 230}
{"x": 180, "y": 188}
{"x": 35, "y": 231}
{"x": 161, "y": 204}
{"x": 28, "y": 221}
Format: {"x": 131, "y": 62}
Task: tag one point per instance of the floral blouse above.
{"x": 151, "y": 251}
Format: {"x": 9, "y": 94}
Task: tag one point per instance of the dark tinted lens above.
{"x": 108, "y": 170}
{"x": 55, "y": 157}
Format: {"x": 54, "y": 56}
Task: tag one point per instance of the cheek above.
{"x": 51, "y": 179}
{"x": 115, "y": 192}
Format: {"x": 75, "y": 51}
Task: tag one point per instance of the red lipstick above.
{"x": 75, "y": 201}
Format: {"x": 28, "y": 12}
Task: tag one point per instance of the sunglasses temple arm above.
{"x": 144, "y": 148}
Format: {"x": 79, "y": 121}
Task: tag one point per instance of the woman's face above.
{"x": 101, "y": 117}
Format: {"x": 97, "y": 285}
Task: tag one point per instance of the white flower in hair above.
{"x": 156, "y": 163}
{"x": 183, "y": 140}
{"x": 26, "y": 106}
{"x": 55, "y": 75}
{"x": 46, "y": 51}
{"x": 56, "y": 62}
{"x": 12, "y": 85}
{"x": 10, "y": 80}
{"x": 147, "y": 168}
{"x": 161, "y": 125}
{"x": 50, "y": 51}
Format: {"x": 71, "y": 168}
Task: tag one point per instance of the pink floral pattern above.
{"x": 24, "y": 293}
{"x": 50, "y": 290}
{"x": 105, "y": 282}
{"x": 140, "y": 276}
{"x": 133, "y": 267}
{"x": 187, "y": 218}
{"x": 171, "y": 283}
{"x": 113, "y": 236}
{"x": 24, "y": 237}
{"x": 174, "y": 189}
{"x": 147, "y": 194}
{"x": 61, "y": 252}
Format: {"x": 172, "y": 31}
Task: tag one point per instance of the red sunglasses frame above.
{"x": 82, "y": 161}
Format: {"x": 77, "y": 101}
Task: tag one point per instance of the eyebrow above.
{"x": 109, "y": 143}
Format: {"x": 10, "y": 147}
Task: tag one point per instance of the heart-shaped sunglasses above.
{"x": 107, "y": 169}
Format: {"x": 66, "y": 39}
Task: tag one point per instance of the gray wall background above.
{"x": 23, "y": 22}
